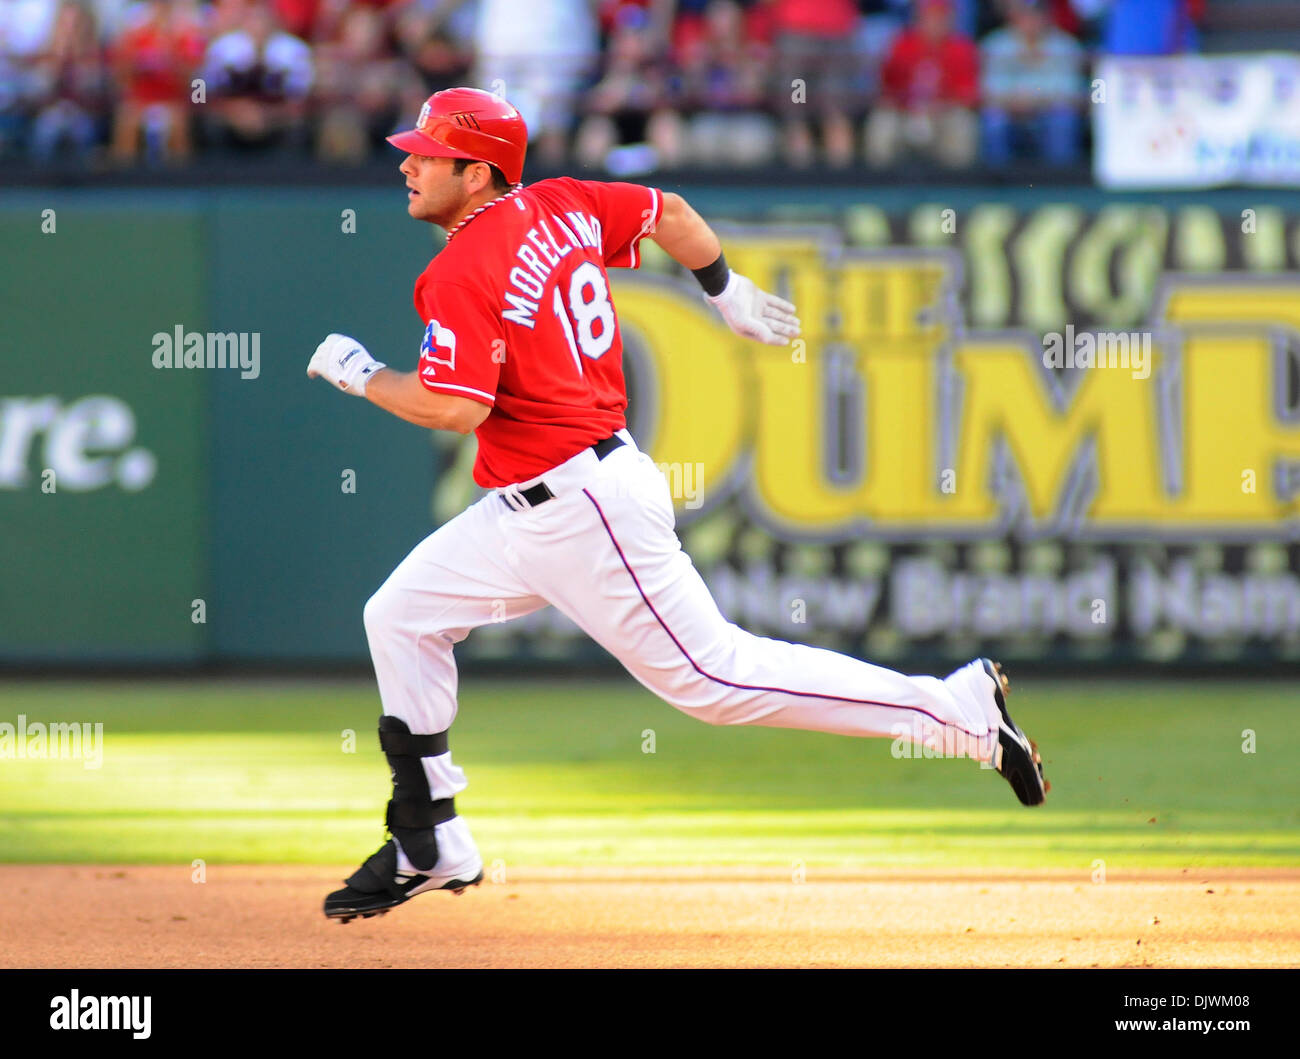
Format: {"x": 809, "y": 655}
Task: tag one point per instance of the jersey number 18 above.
{"x": 588, "y": 321}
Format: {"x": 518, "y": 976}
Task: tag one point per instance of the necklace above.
{"x": 487, "y": 205}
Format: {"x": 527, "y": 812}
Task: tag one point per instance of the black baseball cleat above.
{"x": 377, "y": 886}
{"x": 1016, "y": 756}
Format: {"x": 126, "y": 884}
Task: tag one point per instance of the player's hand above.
{"x": 753, "y": 313}
{"x": 344, "y": 362}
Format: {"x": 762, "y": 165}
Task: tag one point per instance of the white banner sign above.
{"x": 1196, "y": 121}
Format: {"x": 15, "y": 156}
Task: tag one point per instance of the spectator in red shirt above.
{"x": 153, "y": 62}
{"x": 929, "y": 90}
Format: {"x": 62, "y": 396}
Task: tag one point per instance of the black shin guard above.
{"x": 412, "y": 812}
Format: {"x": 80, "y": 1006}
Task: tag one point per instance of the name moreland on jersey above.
{"x": 576, "y": 229}
{"x": 536, "y": 260}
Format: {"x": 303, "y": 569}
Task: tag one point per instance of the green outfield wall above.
{"x": 913, "y": 484}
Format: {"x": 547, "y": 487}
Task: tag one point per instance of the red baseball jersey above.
{"x": 520, "y": 316}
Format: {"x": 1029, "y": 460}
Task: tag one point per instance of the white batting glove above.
{"x": 753, "y": 313}
{"x": 344, "y": 362}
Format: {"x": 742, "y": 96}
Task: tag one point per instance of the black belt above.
{"x": 539, "y": 493}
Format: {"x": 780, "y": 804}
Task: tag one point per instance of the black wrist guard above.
{"x": 713, "y": 278}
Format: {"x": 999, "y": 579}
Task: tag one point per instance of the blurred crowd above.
{"x": 626, "y": 85}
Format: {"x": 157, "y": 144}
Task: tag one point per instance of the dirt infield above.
{"x": 104, "y": 916}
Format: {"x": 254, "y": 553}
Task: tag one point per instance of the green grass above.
{"x": 1144, "y": 774}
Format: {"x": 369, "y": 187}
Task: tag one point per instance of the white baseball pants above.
{"x": 605, "y": 552}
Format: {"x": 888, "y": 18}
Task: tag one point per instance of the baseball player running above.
{"x": 522, "y": 348}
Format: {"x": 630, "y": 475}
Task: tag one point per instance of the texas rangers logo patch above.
{"x": 439, "y": 346}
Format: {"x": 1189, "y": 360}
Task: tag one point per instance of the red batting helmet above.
{"x": 469, "y": 123}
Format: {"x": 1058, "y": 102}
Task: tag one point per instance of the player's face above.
{"x": 434, "y": 193}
